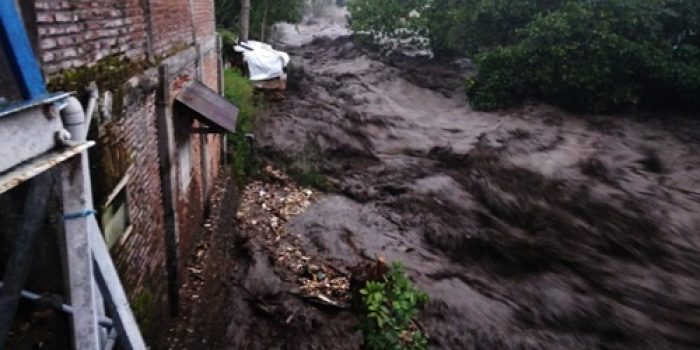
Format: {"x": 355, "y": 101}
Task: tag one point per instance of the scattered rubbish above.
{"x": 264, "y": 210}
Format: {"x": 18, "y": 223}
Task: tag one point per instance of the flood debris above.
{"x": 528, "y": 228}
{"x": 266, "y": 207}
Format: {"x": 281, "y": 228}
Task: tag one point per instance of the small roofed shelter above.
{"x": 213, "y": 111}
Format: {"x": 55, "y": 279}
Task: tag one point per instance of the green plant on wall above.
{"x": 240, "y": 91}
{"x": 389, "y": 309}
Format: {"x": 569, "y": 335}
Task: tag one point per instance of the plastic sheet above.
{"x": 263, "y": 61}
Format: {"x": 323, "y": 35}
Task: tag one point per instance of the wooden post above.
{"x": 203, "y": 138}
{"x": 78, "y": 255}
{"x": 168, "y": 180}
{"x": 220, "y": 71}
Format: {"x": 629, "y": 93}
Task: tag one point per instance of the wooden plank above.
{"x": 277, "y": 84}
{"x": 78, "y": 264}
{"x": 212, "y": 108}
{"x": 115, "y": 192}
{"x": 36, "y": 166}
{"x": 128, "y": 332}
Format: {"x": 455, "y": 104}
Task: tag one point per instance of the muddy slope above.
{"x": 529, "y": 228}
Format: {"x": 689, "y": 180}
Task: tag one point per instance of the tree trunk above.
{"x": 263, "y": 25}
{"x": 245, "y": 20}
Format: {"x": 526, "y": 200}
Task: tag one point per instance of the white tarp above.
{"x": 263, "y": 61}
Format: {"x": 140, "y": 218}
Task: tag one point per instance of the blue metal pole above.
{"x": 18, "y": 50}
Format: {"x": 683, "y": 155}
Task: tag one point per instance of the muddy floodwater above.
{"x": 529, "y": 228}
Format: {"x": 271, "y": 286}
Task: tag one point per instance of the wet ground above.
{"x": 530, "y": 228}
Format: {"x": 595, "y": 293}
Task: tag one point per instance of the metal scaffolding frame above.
{"x": 41, "y": 133}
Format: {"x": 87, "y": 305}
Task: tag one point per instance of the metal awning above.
{"x": 210, "y": 108}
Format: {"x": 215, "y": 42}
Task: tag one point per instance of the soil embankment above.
{"x": 529, "y": 228}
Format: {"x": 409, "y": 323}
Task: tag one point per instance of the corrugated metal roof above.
{"x": 212, "y": 109}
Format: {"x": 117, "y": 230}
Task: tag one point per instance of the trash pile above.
{"x": 265, "y": 209}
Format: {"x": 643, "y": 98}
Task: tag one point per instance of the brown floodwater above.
{"x": 529, "y": 228}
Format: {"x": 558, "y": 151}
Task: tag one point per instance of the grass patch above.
{"x": 241, "y": 92}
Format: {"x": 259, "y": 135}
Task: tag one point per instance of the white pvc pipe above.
{"x": 73, "y": 117}
{"x": 91, "y": 106}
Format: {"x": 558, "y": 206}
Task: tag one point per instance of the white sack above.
{"x": 263, "y": 61}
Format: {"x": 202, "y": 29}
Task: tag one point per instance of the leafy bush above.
{"x": 389, "y": 309}
{"x": 454, "y": 26}
{"x": 240, "y": 91}
{"x": 592, "y": 56}
{"x": 472, "y": 26}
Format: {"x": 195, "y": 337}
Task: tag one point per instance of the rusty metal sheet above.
{"x": 34, "y": 167}
{"x": 211, "y": 108}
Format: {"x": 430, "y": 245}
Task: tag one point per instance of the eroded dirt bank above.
{"x": 529, "y": 228}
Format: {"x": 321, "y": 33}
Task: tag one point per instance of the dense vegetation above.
{"x": 589, "y": 55}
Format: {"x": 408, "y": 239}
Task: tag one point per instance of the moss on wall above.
{"x": 110, "y": 74}
{"x": 145, "y": 308}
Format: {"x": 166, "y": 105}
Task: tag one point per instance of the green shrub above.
{"x": 472, "y": 26}
{"x": 591, "y": 56}
{"x": 588, "y": 55}
{"x": 389, "y": 309}
{"x": 228, "y": 41}
{"x": 453, "y": 26}
{"x": 387, "y": 18}
{"x": 241, "y": 92}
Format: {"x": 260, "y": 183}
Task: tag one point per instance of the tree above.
{"x": 590, "y": 55}
{"x": 250, "y": 19}
{"x": 245, "y": 20}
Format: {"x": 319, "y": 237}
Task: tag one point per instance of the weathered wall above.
{"x": 203, "y": 15}
{"x": 141, "y": 256}
{"x": 73, "y": 34}
{"x": 172, "y": 25}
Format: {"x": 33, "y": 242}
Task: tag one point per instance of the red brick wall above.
{"x": 204, "y": 17}
{"x": 76, "y": 33}
{"x": 140, "y": 258}
{"x": 172, "y": 25}
{"x": 79, "y": 32}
